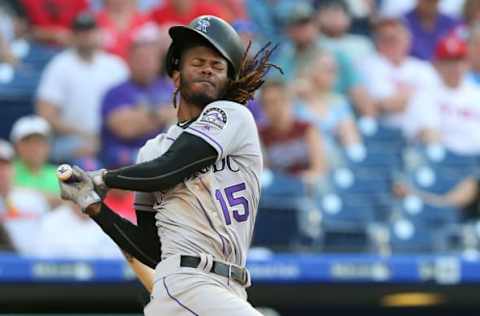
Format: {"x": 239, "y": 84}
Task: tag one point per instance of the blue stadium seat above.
{"x": 281, "y": 205}
{"x": 437, "y": 170}
{"x": 380, "y": 138}
{"x": 371, "y": 182}
{"x": 409, "y": 237}
{"x": 417, "y": 211}
{"x": 12, "y": 109}
{"x": 344, "y": 211}
{"x": 276, "y": 228}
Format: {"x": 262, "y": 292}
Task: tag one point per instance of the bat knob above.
{"x": 65, "y": 173}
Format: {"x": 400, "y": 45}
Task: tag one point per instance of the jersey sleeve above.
{"x": 226, "y": 126}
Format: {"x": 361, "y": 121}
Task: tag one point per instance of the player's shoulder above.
{"x": 225, "y": 113}
{"x": 151, "y": 148}
{"x": 225, "y": 108}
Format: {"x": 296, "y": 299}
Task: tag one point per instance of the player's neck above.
{"x": 187, "y": 112}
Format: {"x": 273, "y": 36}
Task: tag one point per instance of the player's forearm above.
{"x": 140, "y": 242}
{"x": 145, "y": 274}
{"x": 187, "y": 155}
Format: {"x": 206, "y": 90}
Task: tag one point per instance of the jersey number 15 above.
{"x": 233, "y": 202}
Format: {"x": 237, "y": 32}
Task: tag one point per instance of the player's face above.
{"x": 203, "y": 75}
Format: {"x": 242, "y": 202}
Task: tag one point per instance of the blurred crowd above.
{"x": 371, "y": 136}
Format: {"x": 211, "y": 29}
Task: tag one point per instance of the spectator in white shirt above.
{"x": 473, "y": 74}
{"x": 453, "y": 113}
{"x": 452, "y": 117}
{"x": 71, "y": 90}
{"x": 68, "y": 233}
{"x": 393, "y": 78}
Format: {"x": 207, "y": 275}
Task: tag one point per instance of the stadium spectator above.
{"x": 262, "y": 14}
{"x": 473, "y": 74}
{"x": 248, "y": 33}
{"x": 30, "y": 135}
{"x": 172, "y": 12}
{"x": 329, "y": 111}
{"x": 291, "y": 146}
{"x": 471, "y": 13}
{"x": 139, "y": 108}
{"x": 453, "y": 112}
{"x": 118, "y": 22}
{"x": 334, "y": 20}
{"x": 304, "y": 45}
{"x": 231, "y": 9}
{"x": 6, "y": 155}
{"x": 144, "y": 6}
{"x": 13, "y": 30}
{"x": 427, "y": 25}
{"x": 71, "y": 90}
{"x": 80, "y": 238}
{"x": 51, "y": 19}
{"x": 393, "y": 78}
{"x": 20, "y": 209}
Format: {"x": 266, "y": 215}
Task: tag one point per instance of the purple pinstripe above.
{"x": 175, "y": 299}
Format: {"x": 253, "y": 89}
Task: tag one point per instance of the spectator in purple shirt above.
{"x": 427, "y": 25}
{"x": 139, "y": 108}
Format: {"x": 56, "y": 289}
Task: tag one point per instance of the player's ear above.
{"x": 176, "y": 78}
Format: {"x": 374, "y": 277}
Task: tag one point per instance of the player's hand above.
{"x": 99, "y": 185}
{"x": 81, "y": 191}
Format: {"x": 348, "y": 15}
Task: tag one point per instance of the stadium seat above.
{"x": 413, "y": 208}
{"x": 284, "y": 204}
{"x": 408, "y": 237}
{"x": 12, "y": 109}
{"x": 276, "y": 228}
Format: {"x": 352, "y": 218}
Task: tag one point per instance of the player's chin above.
{"x": 202, "y": 98}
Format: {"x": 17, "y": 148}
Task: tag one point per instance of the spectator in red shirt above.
{"x": 51, "y": 19}
{"x": 172, "y": 12}
{"x": 291, "y": 146}
{"x": 119, "y": 20}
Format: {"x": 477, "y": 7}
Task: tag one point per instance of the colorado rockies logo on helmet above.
{"x": 203, "y": 25}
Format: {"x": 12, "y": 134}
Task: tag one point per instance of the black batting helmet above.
{"x": 214, "y": 31}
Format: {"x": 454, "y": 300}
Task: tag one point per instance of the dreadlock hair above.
{"x": 251, "y": 75}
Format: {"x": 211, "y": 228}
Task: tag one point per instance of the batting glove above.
{"x": 81, "y": 191}
{"x": 99, "y": 185}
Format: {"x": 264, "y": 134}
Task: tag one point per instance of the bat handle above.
{"x": 65, "y": 174}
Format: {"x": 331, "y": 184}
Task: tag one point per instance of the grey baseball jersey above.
{"x": 214, "y": 211}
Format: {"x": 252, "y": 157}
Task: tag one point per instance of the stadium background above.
{"x": 380, "y": 220}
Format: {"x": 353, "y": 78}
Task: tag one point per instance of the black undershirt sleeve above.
{"x": 187, "y": 155}
{"x": 140, "y": 241}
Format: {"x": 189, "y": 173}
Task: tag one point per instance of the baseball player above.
{"x": 198, "y": 185}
